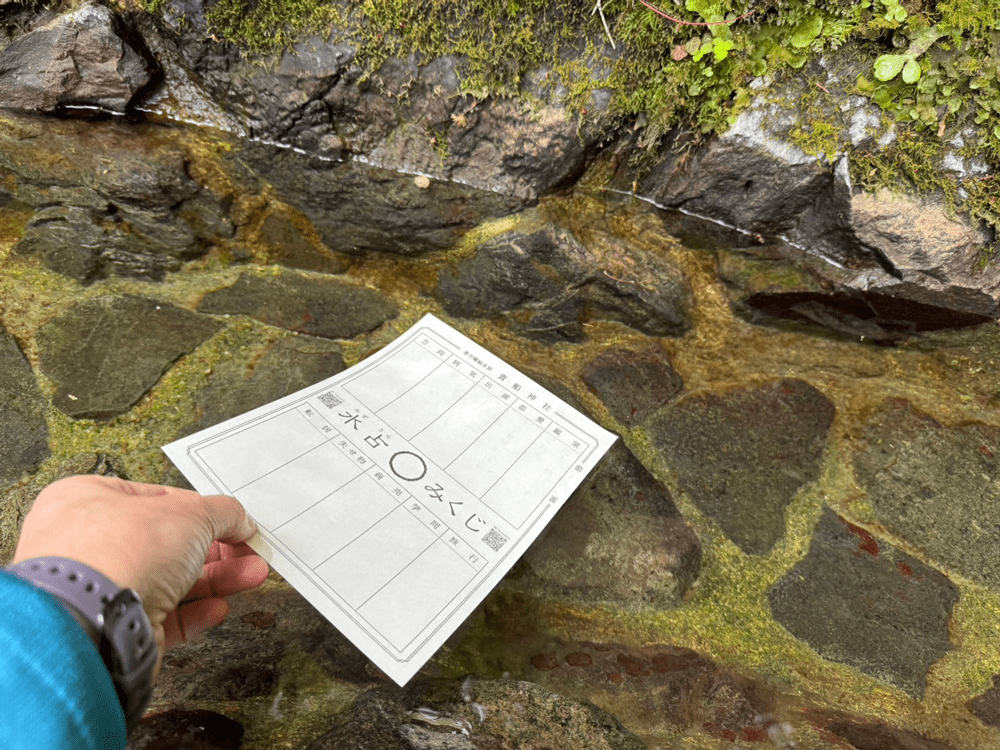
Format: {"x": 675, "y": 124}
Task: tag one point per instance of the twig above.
{"x": 599, "y": 8}
{"x": 694, "y": 23}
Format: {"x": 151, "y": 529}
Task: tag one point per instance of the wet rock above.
{"x": 124, "y": 205}
{"x": 677, "y": 685}
{"x": 340, "y": 199}
{"x": 507, "y": 714}
{"x": 321, "y": 307}
{"x": 286, "y": 366}
{"x": 987, "y": 706}
{"x": 777, "y": 284}
{"x": 619, "y": 538}
{"x": 861, "y": 601}
{"x": 549, "y": 284}
{"x": 743, "y": 455}
{"x": 877, "y": 736}
{"x": 247, "y": 679}
{"x": 930, "y": 257}
{"x": 935, "y": 486}
{"x": 85, "y": 58}
{"x": 105, "y": 353}
{"x": 24, "y": 435}
{"x": 404, "y": 116}
{"x": 287, "y": 247}
{"x": 633, "y": 384}
{"x": 179, "y": 729}
{"x": 755, "y": 177}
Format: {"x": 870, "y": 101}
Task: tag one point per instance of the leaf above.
{"x": 888, "y": 67}
{"x": 911, "y": 71}
{"x": 803, "y": 34}
{"x": 721, "y": 50}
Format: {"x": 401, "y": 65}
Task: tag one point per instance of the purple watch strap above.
{"x": 77, "y": 584}
{"x": 125, "y": 634}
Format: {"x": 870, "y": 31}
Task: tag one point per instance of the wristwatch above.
{"x": 114, "y": 619}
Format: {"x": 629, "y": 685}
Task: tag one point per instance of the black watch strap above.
{"x": 127, "y": 645}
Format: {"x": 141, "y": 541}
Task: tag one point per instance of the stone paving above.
{"x": 794, "y": 540}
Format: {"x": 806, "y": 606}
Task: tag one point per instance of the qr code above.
{"x": 494, "y": 539}
{"x": 330, "y": 400}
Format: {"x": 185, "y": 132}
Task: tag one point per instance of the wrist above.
{"x": 124, "y": 635}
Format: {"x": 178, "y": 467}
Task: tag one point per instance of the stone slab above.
{"x": 107, "y": 352}
{"x": 618, "y": 539}
{"x": 24, "y": 434}
{"x": 633, "y": 384}
{"x": 742, "y": 455}
{"x": 937, "y": 487}
{"x": 286, "y": 366}
{"x": 318, "y": 306}
{"x": 860, "y": 601}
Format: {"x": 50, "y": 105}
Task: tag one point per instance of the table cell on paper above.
{"x": 496, "y": 390}
{"x": 494, "y": 452}
{"x": 444, "y": 439}
{"x": 530, "y": 479}
{"x": 463, "y": 550}
{"x": 418, "y": 595}
{"x": 389, "y": 378}
{"x": 389, "y": 484}
{"x": 568, "y": 437}
{"x": 287, "y": 491}
{"x": 317, "y": 420}
{"x": 250, "y": 452}
{"x": 342, "y": 517}
{"x": 426, "y": 401}
{"x": 532, "y": 414}
{"x": 426, "y": 516}
{"x": 363, "y": 567}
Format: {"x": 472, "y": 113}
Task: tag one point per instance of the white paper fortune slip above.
{"x": 395, "y": 495}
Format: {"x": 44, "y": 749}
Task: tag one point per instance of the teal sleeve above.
{"x": 55, "y": 691}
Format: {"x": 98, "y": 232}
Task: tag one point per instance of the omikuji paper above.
{"x": 395, "y": 495}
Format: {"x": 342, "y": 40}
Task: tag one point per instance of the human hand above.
{"x": 181, "y": 552}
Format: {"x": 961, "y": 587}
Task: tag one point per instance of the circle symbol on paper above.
{"x": 407, "y": 465}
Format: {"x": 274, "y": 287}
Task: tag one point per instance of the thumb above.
{"x": 228, "y": 519}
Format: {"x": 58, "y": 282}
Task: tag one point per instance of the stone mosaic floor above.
{"x": 795, "y": 539}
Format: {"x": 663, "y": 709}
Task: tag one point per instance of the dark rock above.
{"x": 756, "y": 178}
{"x": 179, "y": 729}
{"x": 286, "y": 366}
{"x": 321, "y": 307}
{"x": 618, "y": 538}
{"x": 86, "y": 58}
{"x": 877, "y": 736}
{"x": 248, "y": 679}
{"x": 680, "y": 686}
{"x": 107, "y": 352}
{"x": 744, "y": 454}
{"x": 123, "y": 205}
{"x": 24, "y": 435}
{"x": 550, "y": 284}
{"x": 512, "y": 270}
{"x": 633, "y": 384}
{"x": 340, "y": 199}
{"x": 778, "y": 284}
{"x": 861, "y": 601}
{"x": 287, "y": 247}
{"x": 936, "y": 487}
{"x": 987, "y": 706}
{"x": 437, "y": 716}
{"x": 404, "y": 116}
